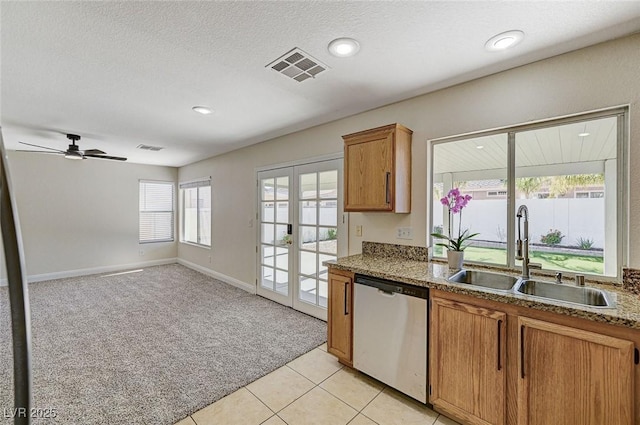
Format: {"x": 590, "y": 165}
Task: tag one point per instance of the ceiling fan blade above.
{"x": 25, "y": 150}
{"x": 114, "y": 158}
{"x": 94, "y": 152}
{"x": 43, "y": 147}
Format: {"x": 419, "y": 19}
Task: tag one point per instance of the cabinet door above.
{"x": 467, "y": 360}
{"x": 340, "y": 317}
{"x": 369, "y": 177}
{"x": 573, "y": 377}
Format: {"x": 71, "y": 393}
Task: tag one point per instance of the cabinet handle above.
{"x": 522, "y": 351}
{"x": 387, "y": 187}
{"x": 346, "y": 308}
{"x": 499, "y": 344}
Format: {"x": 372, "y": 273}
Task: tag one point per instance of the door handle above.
{"x": 499, "y": 344}
{"x": 346, "y": 294}
{"x": 522, "y": 351}
{"x": 388, "y": 187}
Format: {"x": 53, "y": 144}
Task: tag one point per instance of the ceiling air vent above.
{"x": 298, "y": 65}
{"x": 149, "y": 148}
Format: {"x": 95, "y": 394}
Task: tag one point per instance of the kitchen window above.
{"x": 569, "y": 172}
{"x": 196, "y": 212}
{"x": 156, "y": 212}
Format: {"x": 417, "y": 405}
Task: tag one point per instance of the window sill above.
{"x": 162, "y": 241}
{"x": 195, "y": 244}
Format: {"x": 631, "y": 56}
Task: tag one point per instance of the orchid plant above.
{"x": 455, "y": 203}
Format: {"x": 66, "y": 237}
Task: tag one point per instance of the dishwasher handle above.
{"x": 386, "y": 293}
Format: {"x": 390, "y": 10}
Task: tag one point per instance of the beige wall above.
{"x": 77, "y": 215}
{"x": 597, "y": 77}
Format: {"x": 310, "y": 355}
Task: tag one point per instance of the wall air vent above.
{"x": 149, "y": 148}
{"x": 297, "y": 65}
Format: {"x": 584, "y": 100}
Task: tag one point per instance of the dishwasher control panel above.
{"x": 393, "y": 287}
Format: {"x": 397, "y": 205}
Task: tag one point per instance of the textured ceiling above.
{"x": 125, "y": 73}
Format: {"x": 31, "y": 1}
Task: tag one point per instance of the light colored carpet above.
{"x": 148, "y": 347}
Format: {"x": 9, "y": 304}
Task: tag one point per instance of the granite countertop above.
{"x": 416, "y": 270}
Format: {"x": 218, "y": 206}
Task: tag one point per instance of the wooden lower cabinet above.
{"x": 340, "y": 316}
{"x": 554, "y": 369}
{"x": 573, "y": 377}
{"x": 467, "y": 363}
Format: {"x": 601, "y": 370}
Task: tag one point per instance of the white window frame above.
{"x": 173, "y": 210}
{"x": 199, "y": 184}
{"x": 622, "y": 178}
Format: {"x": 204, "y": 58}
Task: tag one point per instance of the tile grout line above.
{"x": 258, "y": 398}
{"x": 294, "y": 400}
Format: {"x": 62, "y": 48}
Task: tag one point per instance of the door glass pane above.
{"x": 282, "y": 192}
{"x": 329, "y": 184}
{"x": 268, "y": 192}
{"x": 267, "y": 233}
{"x": 478, "y": 168}
{"x": 267, "y": 278}
{"x": 323, "y": 288}
{"x": 308, "y": 212}
{"x": 308, "y": 186}
{"x": 307, "y": 263}
{"x": 566, "y": 176}
{"x": 308, "y": 238}
{"x": 282, "y": 212}
{"x": 308, "y": 289}
{"x": 268, "y": 255}
{"x": 328, "y": 240}
{"x": 323, "y": 258}
{"x": 282, "y": 282}
{"x": 329, "y": 213}
{"x": 282, "y": 238}
{"x": 267, "y": 212}
{"x": 282, "y": 258}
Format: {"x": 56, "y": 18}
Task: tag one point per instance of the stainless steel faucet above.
{"x": 522, "y": 246}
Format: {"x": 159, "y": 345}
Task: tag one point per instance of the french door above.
{"x": 301, "y": 224}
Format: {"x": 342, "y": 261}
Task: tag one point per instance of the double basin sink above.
{"x": 582, "y": 295}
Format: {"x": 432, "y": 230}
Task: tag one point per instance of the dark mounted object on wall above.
{"x": 18, "y": 296}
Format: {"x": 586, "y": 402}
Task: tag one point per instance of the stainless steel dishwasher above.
{"x": 390, "y": 334}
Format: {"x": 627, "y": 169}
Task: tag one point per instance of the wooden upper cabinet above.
{"x": 467, "y": 362}
{"x": 340, "y": 316}
{"x": 377, "y": 170}
{"x": 573, "y": 377}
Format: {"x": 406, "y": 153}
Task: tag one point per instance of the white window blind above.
{"x": 196, "y": 212}
{"x": 156, "y": 211}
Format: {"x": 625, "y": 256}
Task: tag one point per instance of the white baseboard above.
{"x": 94, "y": 270}
{"x": 217, "y": 275}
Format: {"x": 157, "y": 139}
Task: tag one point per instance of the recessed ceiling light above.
{"x": 204, "y": 110}
{"x": 344, "y": 47}
{"x": 584, "y": 134}
{"x": 504, "y": 40}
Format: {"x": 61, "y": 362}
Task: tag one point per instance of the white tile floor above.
{"x": 316, "y": 389}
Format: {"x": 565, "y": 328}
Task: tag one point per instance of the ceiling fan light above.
{"x": 73, "y": 156}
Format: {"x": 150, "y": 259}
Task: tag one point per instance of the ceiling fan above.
{"x": 74, "y": 152}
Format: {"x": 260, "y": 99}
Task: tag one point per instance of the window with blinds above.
{"x": 156, "y": 211}
{"x": 196, "y": 212}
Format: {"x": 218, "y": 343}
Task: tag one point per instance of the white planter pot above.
{"x": 455, "y": 259}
